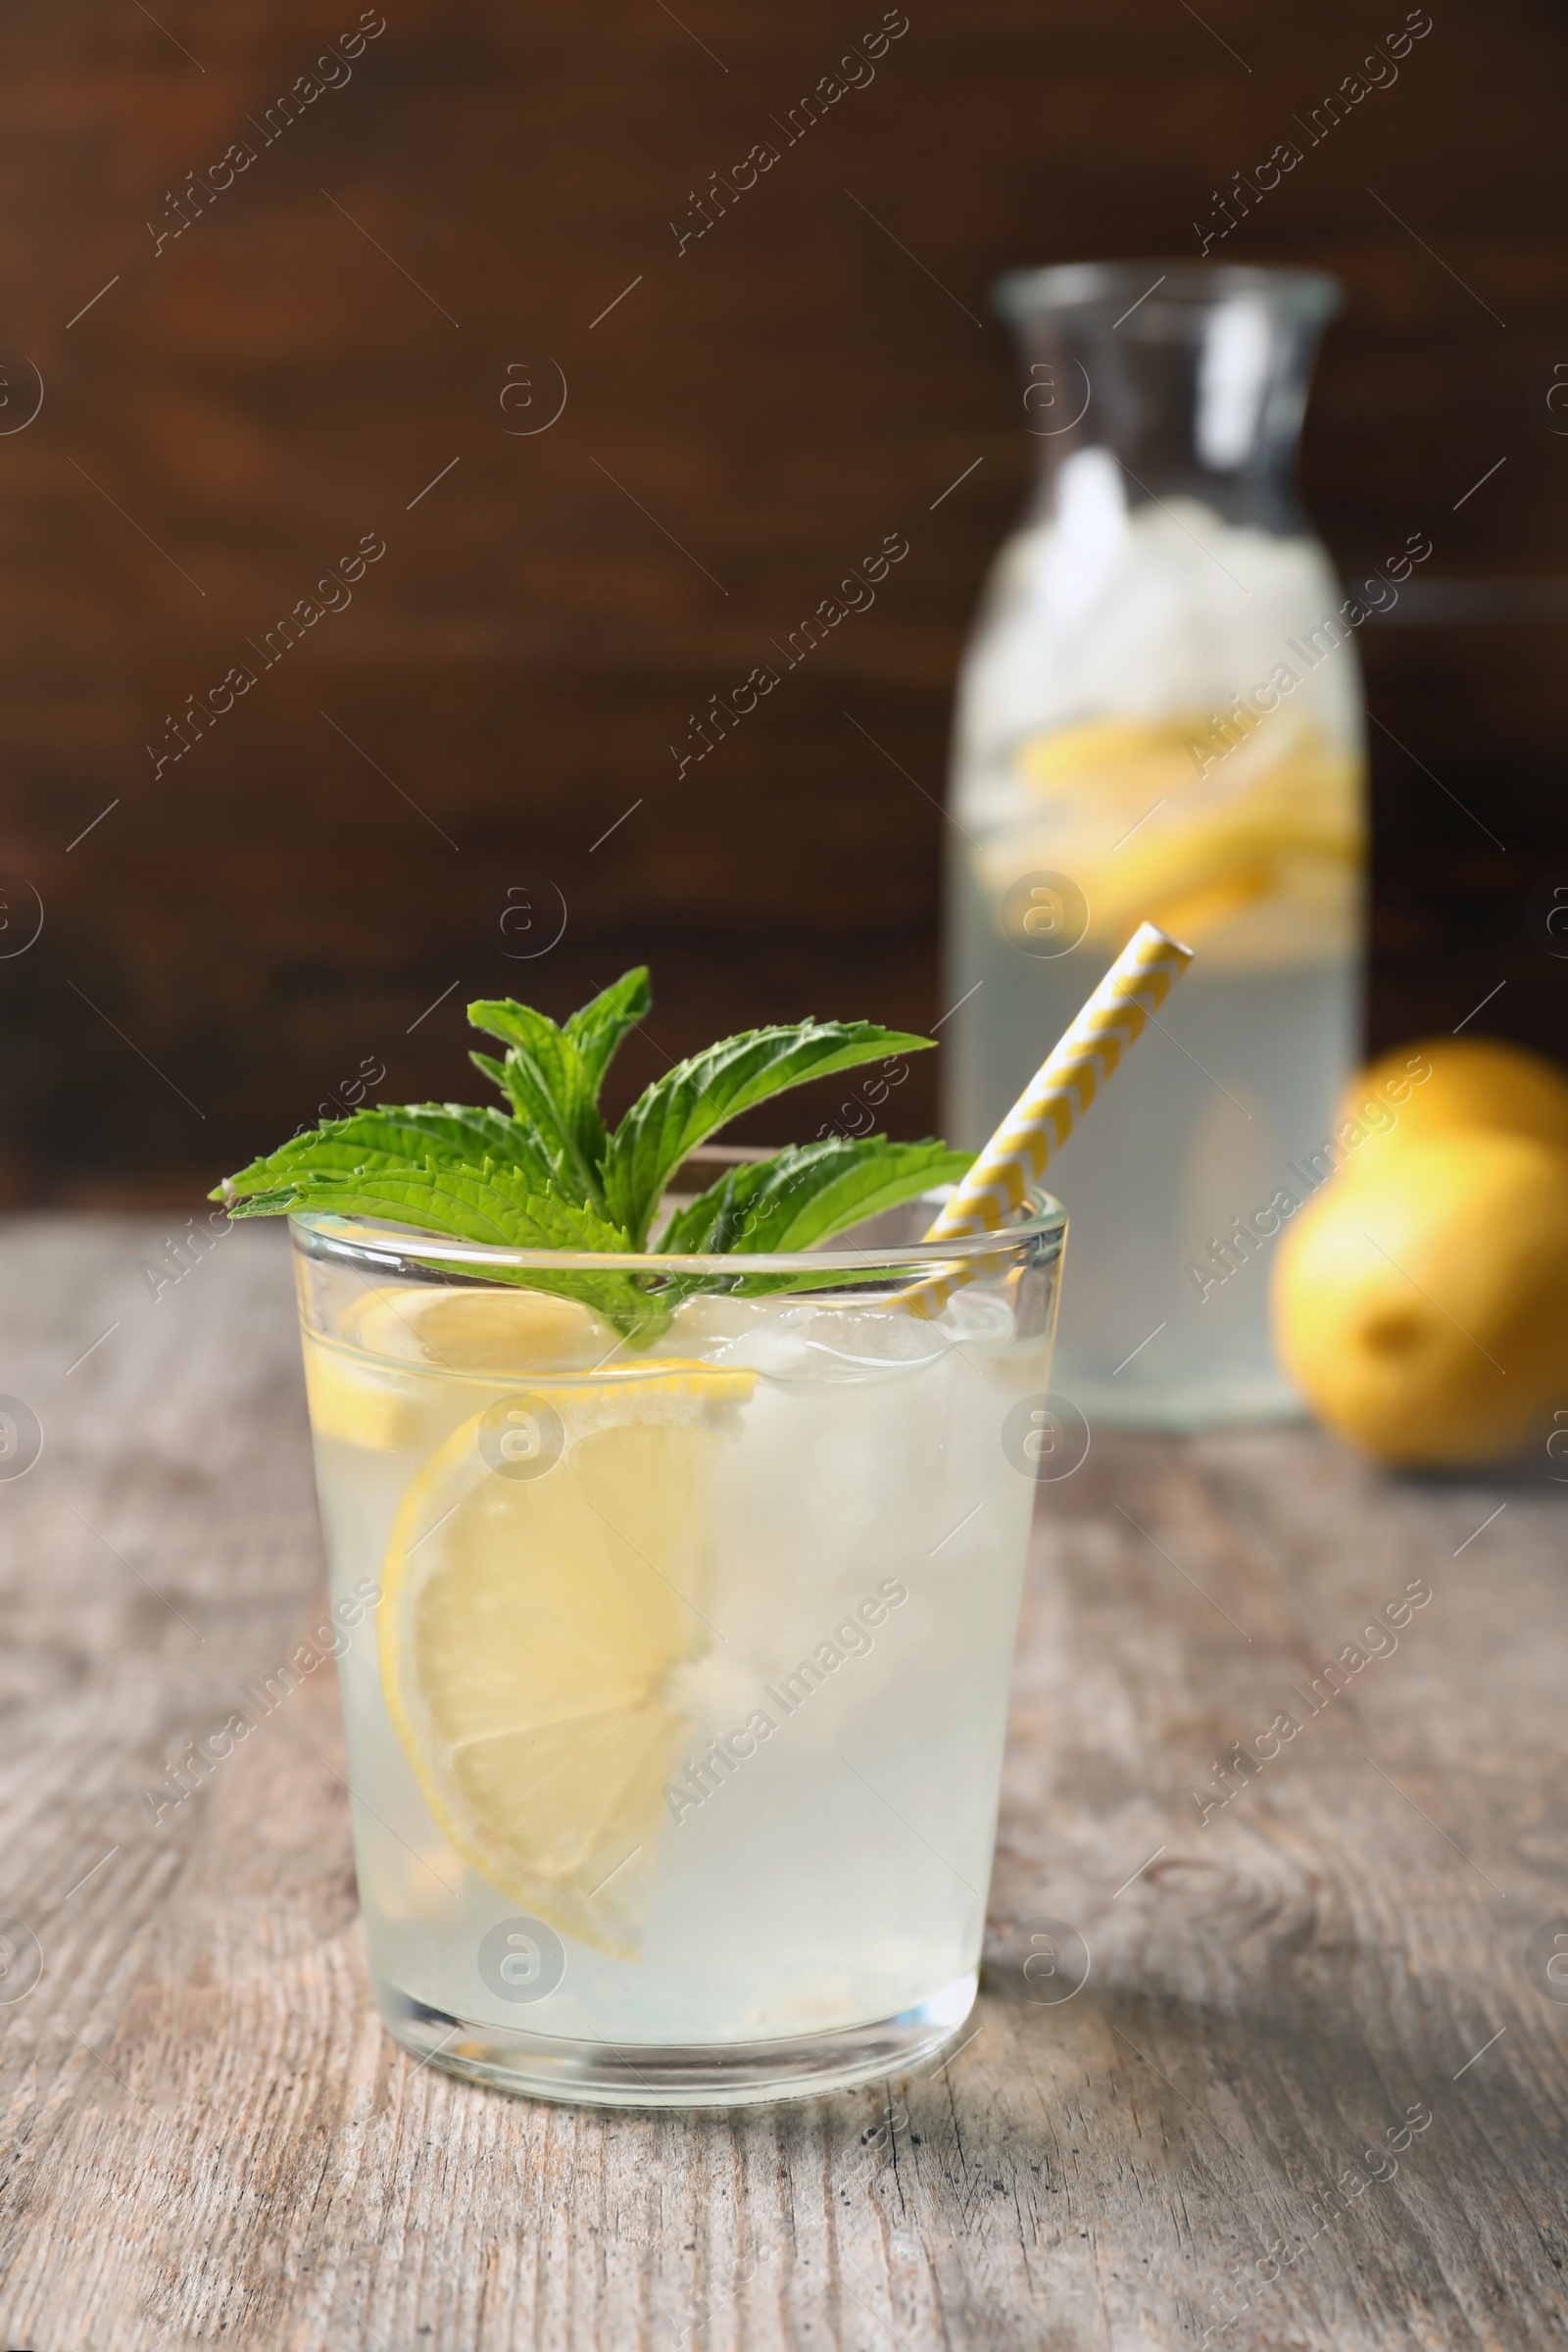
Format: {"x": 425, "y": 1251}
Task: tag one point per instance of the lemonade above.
{"x": 1248, "y": 843}
{"x": 693, "y": 1524}
{"x": 676, "y": 1733}
{"x": 1161, "y": 719}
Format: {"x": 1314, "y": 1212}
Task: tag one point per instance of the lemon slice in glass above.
{"x": 363, "y": 1387}
{"x": 546, "y": 1573}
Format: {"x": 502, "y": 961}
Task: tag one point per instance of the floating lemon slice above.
{"x": 356, "y": 1385}
{"x": 545, "y": 1573}
{"x": 1248, "y": 843}
{"x": 358, "y": 1401}
{"x": 479, "y": 1330}
{"x": 1094, "y": 748}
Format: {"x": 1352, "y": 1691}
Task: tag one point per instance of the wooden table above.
{"x": 209, "y": 2139}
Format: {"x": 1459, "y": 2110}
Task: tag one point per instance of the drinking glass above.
{"x": 1160, "y": 718}
{"x": 675, "y": 1710}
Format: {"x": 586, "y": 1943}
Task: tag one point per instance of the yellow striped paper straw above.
{"x": 1057, "y": 1097}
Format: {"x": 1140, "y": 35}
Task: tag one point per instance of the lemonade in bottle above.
{"x": 1160, "y": 718}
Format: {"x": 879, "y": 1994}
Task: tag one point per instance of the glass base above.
{"x": 735, "y": 2073}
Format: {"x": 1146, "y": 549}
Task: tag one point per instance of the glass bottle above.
{"x": 1161, "y": 716}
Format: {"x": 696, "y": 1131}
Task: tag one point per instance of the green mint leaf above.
{"x": 548, "y": 1178}
{"x": 679, "y": 1110}
{"x": 494, "y": 1205}
{"x": 806, "y": 1194}
{"x": 489, "y": 1205}
{"x": 408, "y": 1137}
{"x": 598, "y": 1029}
{"x": 548, "y": 1082}
{"x": 493, "y": 1070}
{"x": 549, "y": 1142}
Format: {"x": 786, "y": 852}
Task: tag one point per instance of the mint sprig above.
{"x": 550, "y": 1175}
{"x": 806, "y": 1192}
{"x": 548, "y": 1082}
{"x": 693, "y": 1100}
{"x": 368, "y": 1140}
{"x": 598, "y": 1029}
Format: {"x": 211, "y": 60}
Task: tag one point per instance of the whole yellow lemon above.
{"x": 1422, "y": 1307}
{"x": 1443, "y": 1083}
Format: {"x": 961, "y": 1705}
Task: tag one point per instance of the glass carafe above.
{"x": 1161, "y": 716}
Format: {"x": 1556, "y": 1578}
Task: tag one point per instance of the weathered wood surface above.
{"x": 207, "y": 2138}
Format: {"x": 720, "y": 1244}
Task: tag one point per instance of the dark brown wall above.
{"x": 247, "y": 401}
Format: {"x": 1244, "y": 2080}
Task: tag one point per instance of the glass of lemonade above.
{"x": 675, "y": 1719}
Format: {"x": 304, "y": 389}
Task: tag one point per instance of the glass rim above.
{"x": 387, "y": 1245}
{"x": 1022, "y": 296}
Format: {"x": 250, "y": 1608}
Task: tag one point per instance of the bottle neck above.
{"x": 1207, "y": 408}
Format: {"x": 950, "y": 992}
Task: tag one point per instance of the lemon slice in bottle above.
{"x": 546, "y": 1573}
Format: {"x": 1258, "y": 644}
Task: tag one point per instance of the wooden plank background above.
{"x": 229, "y": 410}
{"x": 208, "y": 2139}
